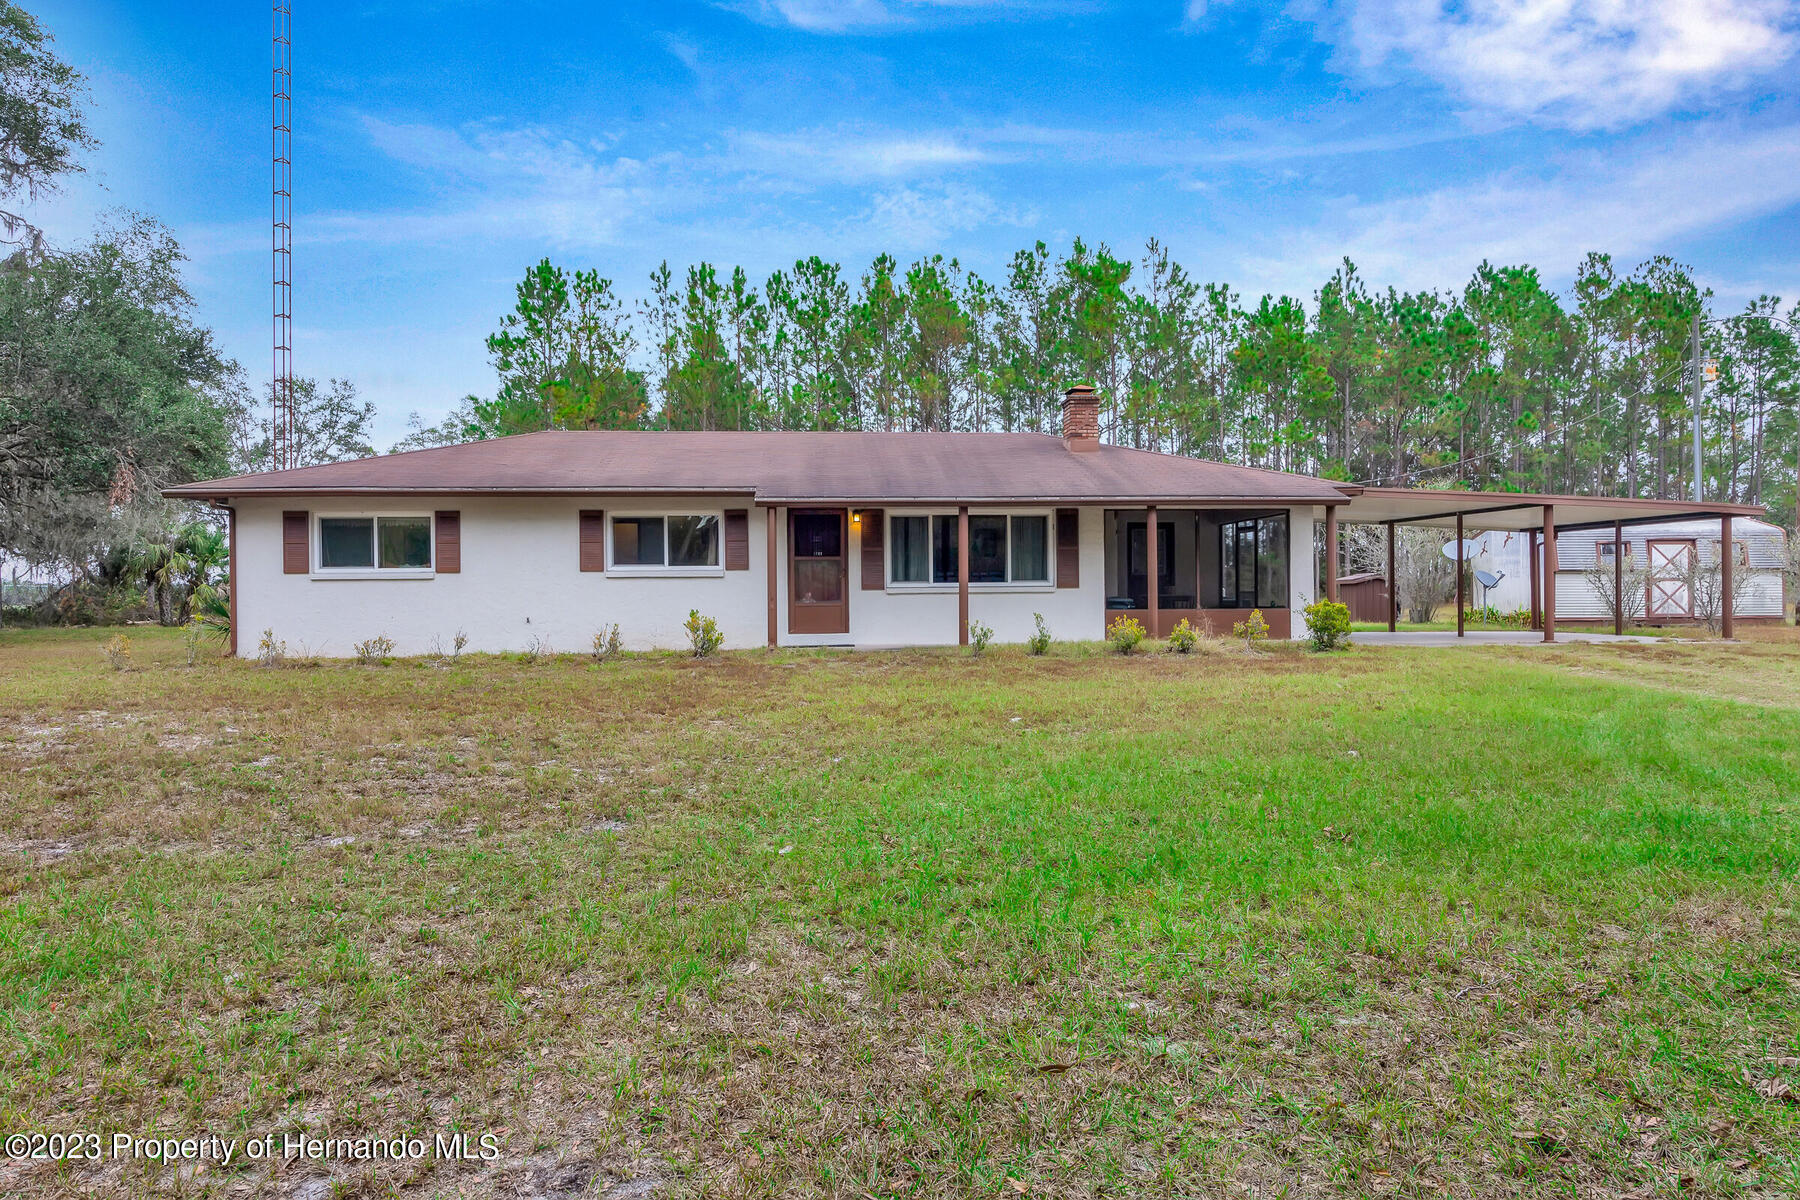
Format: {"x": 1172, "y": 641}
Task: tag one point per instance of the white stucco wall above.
{"x": 521, "y": 580}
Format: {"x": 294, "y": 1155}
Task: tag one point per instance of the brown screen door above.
{"x": 818, "y": 571}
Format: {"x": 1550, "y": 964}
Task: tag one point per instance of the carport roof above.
{"x": 1518, "y": 510}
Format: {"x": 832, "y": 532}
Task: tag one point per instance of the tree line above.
{"x": 1500, "y": 384}
{"x": 110, "y": 388}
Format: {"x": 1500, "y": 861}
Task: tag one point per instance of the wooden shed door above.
{"x": 818, "y": 571}
{"x": 1669, "y": 563}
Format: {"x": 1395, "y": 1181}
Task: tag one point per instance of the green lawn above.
{"x": 1467, "y": 921}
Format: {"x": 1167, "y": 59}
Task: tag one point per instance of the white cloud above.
{"x": 923, "y": 217}
{"x": 854, "y": 155}
{"x": 1634, "y": 199}
{"x": 851, "y": 16}
{"x": 1582, "y": 64}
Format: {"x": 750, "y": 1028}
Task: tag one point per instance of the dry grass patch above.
{"x": 1476, "y": 922}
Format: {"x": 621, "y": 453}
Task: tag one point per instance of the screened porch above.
{"x": 1211, "y": 567}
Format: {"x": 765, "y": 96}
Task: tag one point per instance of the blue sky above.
{"x": 440, "y": 148}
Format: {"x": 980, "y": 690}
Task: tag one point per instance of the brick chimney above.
{"x": 1081, "y": 418}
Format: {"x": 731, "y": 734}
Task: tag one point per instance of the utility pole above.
{"x": 281, "y": 380}
{"x": 1699, "y": 401}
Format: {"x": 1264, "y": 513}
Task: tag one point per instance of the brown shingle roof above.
{"x": 788, "y": 468}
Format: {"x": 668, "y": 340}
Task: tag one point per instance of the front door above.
{"x": 818, "y": 571}
{"x": 1669, "y": 567}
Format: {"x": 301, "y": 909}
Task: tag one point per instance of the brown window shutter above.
{"x": 1068, "y": 547}
{"x": 737, "y": 539}
{"x": 296, "y": 548}
{"x": 874, "y": 546}
{"x": 593, "y": 540}
{"x": 449, "y": 541}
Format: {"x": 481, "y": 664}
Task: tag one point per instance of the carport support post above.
{"x": 1331, "y": 552}
{"x": 1150, "y": 569}
{"x": 1459, "y": 575}
{"x": 1619, "y": 578}
{"x": 1727, "y": 565}
{"x": 962, "y": 576}
{"x": 1393, "y": 596}
{"x": 1537, "y": 615}
{"x": 770, "y": 514}
{"x": 1549, "y": 572}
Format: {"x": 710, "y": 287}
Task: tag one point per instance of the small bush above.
{"x": 1183, "y": 638}
{"x": 456, "y": 645}
{"x": 704, "y": 638}
{"x": 537, "y": 648}
{"x": 1039, "y": 642}
{"x": 377, "y": 649}
{"x": 1125, "y": 634}
{"x": 1518, "y": 618}
{"x": 191, "y": 634}
{"x": 117, "y": 651}
{"x": 979, "y": 636}
{"x": 1252, "y": 628}
{"x": 1328, "y": 624}
{"x": 606, "y": 644}
{"x": 269, "y": 652}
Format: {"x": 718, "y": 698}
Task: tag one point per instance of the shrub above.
{"x": 117, "y": 651}
{"x": 456, "y": 645}
{"x": 606, "y": 644}
{"x": 1125, "y": 633}
{"x": 379, "y": 648}
{"x": 979, "y": 636}
{"x": 1039, "y": 641}
{"x": 190, "y": 639}
{"x": 1183, "y": 638}
{"x": 535, "y": 649}
{"x": 703, "y": 634}
{"x": 1328, "y": 624}
{"x": 1252, "y": 629}
{"x": 269, "y": 652}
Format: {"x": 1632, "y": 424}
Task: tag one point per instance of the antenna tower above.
{"x": 281, "y": 389}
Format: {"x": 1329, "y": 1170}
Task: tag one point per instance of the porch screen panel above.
{"x": 1272, "y": 562}
{"x": 1228, "y": 564}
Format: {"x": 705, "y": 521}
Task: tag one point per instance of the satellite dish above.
{"x": 1470, "y": 548}
{"x": 1488, "y": 579}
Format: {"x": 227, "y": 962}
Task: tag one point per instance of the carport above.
{"x": 1541, "y": 517}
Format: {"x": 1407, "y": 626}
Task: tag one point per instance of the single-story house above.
{"x": 786, "y": 539}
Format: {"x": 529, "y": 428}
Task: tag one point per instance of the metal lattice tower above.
{"x": 281, "y": 390}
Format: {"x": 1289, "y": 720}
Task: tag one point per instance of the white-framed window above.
{"x": 1606, "y": 551}
{"x": 667, "y": 543}
{"x": 1005, "y": 549}
{"x": 372, "y": 543}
